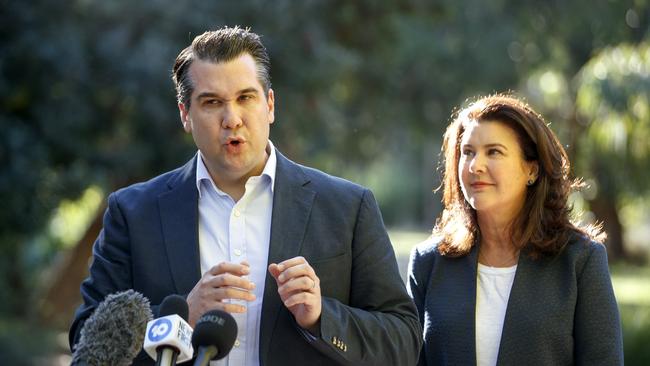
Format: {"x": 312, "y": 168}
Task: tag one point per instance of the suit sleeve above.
{"x": 417, "y": 290}
{"x": 597, "y": 325}
{"x": 111, "y": 267}
{"x": 380, "y": 325}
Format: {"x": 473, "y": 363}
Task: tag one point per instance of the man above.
{"x": 300, "y": 258}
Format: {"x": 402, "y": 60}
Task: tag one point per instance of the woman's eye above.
{"x": 494, "y": 152}
{"x": 468, "y": 152}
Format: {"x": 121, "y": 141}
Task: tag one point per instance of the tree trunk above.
{"x": 604, "y": 207}
{"x": 62, "y": 294}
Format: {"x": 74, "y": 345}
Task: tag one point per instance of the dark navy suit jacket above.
{"x": 561, "y": 310}
{"x": 149, "y": 243}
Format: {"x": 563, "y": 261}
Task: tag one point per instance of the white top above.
{"x": 492, "y": 293}
{"x": 233, "y": 232}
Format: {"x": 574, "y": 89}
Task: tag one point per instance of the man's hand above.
{"x": 222, "y": 282}
{"x": 299, "y": 289}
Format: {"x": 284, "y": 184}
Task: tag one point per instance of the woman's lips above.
{"x": 480, "y": 184}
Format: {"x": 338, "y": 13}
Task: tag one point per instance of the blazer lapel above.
{"x": 467, "y": 327}
{"x": 451, "y": 310}
{"x": 513, "y": 335}
{"x": 179, "y": 219}
{"x": 292, "y": 203}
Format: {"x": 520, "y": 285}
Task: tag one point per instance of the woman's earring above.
{"x": 530, "y": 182}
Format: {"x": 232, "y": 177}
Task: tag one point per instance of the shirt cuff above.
{"x": 306, "y": 334}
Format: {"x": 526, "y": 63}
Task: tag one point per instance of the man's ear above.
{"x": 185, "y": 117}
{"x": 270, "y": 102}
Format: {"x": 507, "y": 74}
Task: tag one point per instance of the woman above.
{"x": 506, "y": 278}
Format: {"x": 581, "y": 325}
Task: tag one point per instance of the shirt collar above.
{"x": 203, "y": 174}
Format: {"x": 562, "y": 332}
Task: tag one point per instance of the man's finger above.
{"x": 299, "y": 298}
{"x": 275, "y": 271}
{"x": 227, "y": 293}
{"x": 230, "y": 280}
{"x": 297, "y": 284}
{"x": 238, "y": 269}
{"x": 291, "y": 262}
{"x": 230, "y": 308}
{"x": 298, "y": 270}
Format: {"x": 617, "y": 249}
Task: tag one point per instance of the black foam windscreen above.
{"x": 174, "y": 304}
{"x": 215, "y": 328}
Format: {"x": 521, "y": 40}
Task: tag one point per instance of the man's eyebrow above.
{"x": 215, "y": 95}
{"x": 248, "y": 90}
{"x": 208, "y": 95}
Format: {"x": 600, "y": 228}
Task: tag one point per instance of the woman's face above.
{"x": 492, "y": 170}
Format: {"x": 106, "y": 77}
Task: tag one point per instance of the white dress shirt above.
{"x": 492, "y": 294}
{"x": 232, "y": 231}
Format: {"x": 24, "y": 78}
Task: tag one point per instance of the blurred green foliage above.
{"x": 636, "y": 334}
{"x": 613, "y": 100}
{"x": 632, "y": 288}
{"x": 364, "y": 89}
{"x": 25, "y": 343}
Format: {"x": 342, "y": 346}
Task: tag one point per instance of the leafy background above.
{"x": 364, "y": 90}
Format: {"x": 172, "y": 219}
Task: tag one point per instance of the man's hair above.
{"x": 221, "y": 45}
{"x": 544, "y": 224}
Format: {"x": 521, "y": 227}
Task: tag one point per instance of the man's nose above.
{"x": 231, "y": 117}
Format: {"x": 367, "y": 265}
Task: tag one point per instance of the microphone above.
{"x": 214, "y": 336}
{"x": 112, "y": 335}
{"x": 169, "y": 337}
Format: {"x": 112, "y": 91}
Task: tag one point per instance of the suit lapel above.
{"x": 513, "y": 335}
{"x": 451, "y": 310}
{"x": 467, "y": 327}
{"x": 292, "y": 203}
{"x": 179, "y": 219}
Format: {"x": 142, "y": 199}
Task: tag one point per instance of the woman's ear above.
{"x": 533, "y": 172}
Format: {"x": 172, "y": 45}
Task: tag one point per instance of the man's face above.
{"x": 229, "y": 117}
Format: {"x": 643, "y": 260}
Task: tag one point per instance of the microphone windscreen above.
{"x": 114, "y": 333}
{"x": 215, "y": 328}
{"x": 174, "y": 304}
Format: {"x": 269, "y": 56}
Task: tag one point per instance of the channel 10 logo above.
{"x": 160, "y": 329}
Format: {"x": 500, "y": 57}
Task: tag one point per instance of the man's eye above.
{"x": 213, "y": 103}
{"x": 245, "y": 97}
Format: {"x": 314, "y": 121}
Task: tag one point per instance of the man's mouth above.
{"x": 234, "y": 141}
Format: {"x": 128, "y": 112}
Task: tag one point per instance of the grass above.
{"x": 632, "y": 289}
{"x": 631, "y": 284}
{"x": 404, "y": 240}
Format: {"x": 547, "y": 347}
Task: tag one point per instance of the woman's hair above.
{"x": 543, "y": 224}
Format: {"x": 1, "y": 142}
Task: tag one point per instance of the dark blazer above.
{"x": 150, "y": 244}
{"x": 561, "y": 310}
